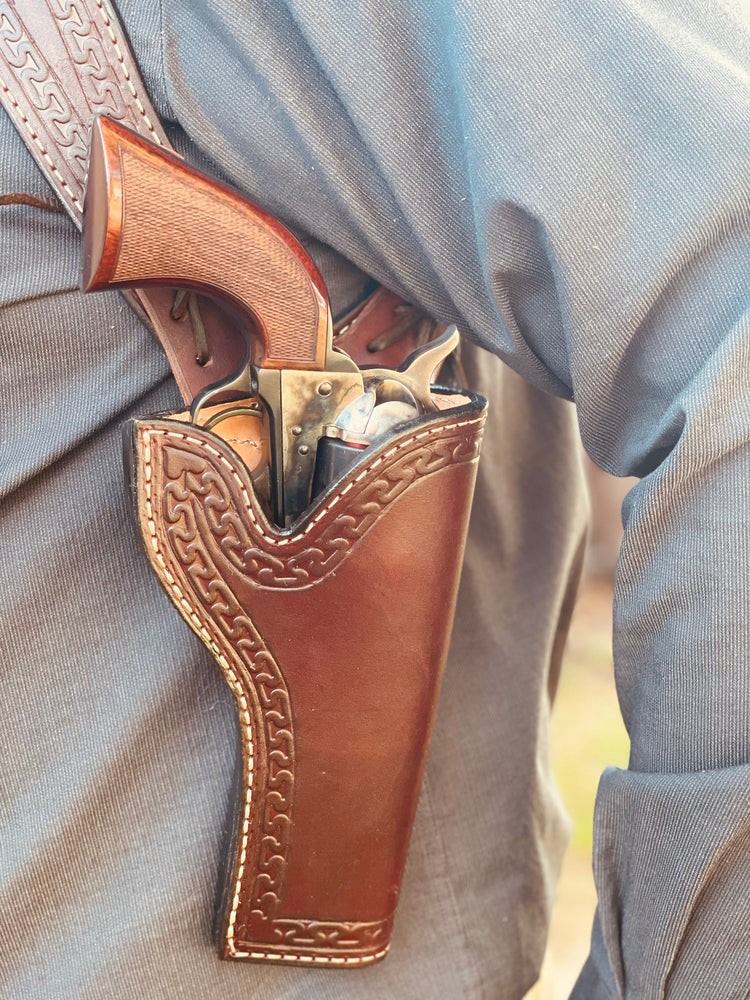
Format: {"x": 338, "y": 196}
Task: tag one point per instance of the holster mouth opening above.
{"x": 332, "y": 636}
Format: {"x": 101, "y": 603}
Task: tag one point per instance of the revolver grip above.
{"x": 150, "y": 219}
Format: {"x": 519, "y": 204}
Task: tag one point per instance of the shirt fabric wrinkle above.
{"x": 578, "y": 204}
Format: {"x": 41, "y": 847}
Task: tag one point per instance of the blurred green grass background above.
{"x": 587, "y": 735}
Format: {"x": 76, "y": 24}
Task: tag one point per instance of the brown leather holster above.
{"x": 332, "y": 634}
{"x": 333, "y": 637}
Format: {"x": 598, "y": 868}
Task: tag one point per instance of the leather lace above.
{"x": 32, "y": 201}
{"x": 187, "y": 303}
{"x": 409, "y": 318}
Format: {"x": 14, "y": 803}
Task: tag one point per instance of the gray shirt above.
{"x": 568, "y": 183}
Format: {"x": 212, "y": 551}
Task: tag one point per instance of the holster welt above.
{"x": 333, "y": 637}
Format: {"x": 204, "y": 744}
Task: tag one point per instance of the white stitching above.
{"x": 233, "y": 680}
{"x": 275, "y": 540}
{"x": 320, "y": 959}
{"x": 125, "y": 71}
{"x": 126, "y": 74}
{"x": 37, "y": 140}
{"x": 229, "y": 672}
{"x": 248, "y": 737}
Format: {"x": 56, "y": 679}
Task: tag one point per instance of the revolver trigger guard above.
{"x": 244, "y": 381}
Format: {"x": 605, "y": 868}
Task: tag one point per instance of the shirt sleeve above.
{"x": 568, "y": 182}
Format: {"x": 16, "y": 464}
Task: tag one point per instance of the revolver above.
{"x": 316, "y": 553}
{"x": 150, "y": 219}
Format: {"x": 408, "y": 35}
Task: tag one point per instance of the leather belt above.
{"x": 62, "y": 62}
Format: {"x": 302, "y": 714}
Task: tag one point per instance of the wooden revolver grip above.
{"x": 150, "y": 219}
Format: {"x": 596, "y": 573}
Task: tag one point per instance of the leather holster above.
{"x": 332, "y": 636}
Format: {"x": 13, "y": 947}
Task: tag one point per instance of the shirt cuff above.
{"x": 672, "y": 871}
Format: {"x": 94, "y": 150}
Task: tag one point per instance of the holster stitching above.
{"x": 247, "y": 735}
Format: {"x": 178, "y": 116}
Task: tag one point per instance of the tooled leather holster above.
{"x": 333, "y": 634}
{"x": 333, "y": 639}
